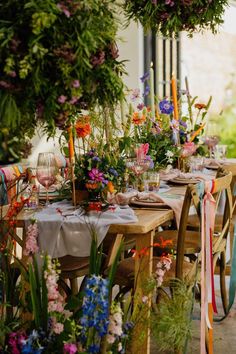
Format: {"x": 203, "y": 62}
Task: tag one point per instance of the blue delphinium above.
{"x": 145, "y": 77}
{"x": 113, "y": 172}
{"x": 95, "y": 311}
{"x": 146, "y": 91}
{"x": 166, "y": 107}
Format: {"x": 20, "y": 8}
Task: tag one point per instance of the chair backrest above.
{"x": 10, "y": 178}
{"x": 221, "y": 184}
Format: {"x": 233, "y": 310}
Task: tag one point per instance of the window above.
{"x": 165, "y": 54}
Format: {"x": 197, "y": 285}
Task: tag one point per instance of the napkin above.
{"x": 174, "y": 204}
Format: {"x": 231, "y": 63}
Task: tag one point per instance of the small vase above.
{"x": 81, "y": 195}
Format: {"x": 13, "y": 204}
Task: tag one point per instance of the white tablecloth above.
{"x": 63, "y": 231}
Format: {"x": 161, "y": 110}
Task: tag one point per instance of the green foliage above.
{"x": 51, "y": 50}
{"x": 171, "y": 323}
{"x": 38, "y": 292}
{"x": 14, "y": 145}
{"x": 224, "y": 126}
{"x": 174, "y": 16}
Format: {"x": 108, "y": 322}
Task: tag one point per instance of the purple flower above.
{"x": 12, "y": 74}
{"x": 140, "y": 106}
{"x": 98, "y": 59}
{"x": 62, "y": 99}
{"x": 182, "y": 123}
{"x": 154, "y": 2}
{"x": 75, "y": 83}
{"x": 96, "y": 175}
{"x": 169, "y": 2}
{"x": 64, "y": 9}
{"x": 74, "y": 100}
{"x": 145, "y": 77}
{"x": 135, "y": 94}
{"x": 174, "y": 124}
{"x": 147, "y": 90}
{"x": 5, "y": 84}
{"x": 156, "y": 129}
{"x": 96, "y": 159}
{"x": 114, "y": 50}
{"x": 166, "y": 107}
{"x": 148, "y": 157}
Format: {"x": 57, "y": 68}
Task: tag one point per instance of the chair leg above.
{"x": 74, "y": 286}
{"x": 223, "y": 289}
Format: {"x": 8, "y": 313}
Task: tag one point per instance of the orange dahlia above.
{"x": 83, "y": 127}
{"x": 110, "y": 187}
{"x": 200, "y": 106}
{"x": 138, "y": 118}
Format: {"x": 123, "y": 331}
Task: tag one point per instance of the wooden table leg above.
{"x": 143, "y": 270}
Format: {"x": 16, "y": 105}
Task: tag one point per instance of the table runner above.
{"x": 63, "y": 231}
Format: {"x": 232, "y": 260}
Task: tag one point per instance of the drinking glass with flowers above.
{"x": 97, "y": 175}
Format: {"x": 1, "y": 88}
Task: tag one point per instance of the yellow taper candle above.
{"x": 152, "y": 93}
{"x": 174, "y": 97}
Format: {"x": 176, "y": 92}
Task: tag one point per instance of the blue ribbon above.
{"x": 3, "y": 190}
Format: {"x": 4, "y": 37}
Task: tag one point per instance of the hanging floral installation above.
{"x": 56, "y": 58}
{"x": 170, "y": 17}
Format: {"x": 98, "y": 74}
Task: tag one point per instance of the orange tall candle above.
{"x": 71, "y": 144}
{"x": 174, "y": 97}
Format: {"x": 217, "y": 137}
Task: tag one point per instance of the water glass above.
{"x": 196, "y": 164}
{"x": 151, "y": 181}
{"x": 220, "y": 152}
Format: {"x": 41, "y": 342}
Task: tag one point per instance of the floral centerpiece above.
{"x": 56, "y": 57}
{"x": 170, "y": 17}
{"x": 98, "y": 174}
{"x": 169, "y": 138}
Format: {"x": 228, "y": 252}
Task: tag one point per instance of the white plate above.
{"x": 164, "y": 188}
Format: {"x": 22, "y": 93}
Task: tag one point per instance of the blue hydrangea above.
{"x": 166, "y": 107}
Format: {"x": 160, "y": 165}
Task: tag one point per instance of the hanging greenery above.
{"x": 169, "y": 17}
{"x": 56, "y": 58}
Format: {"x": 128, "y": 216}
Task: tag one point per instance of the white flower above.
{"x": 169, "y": 153}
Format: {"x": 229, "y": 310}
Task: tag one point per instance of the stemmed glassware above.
{"x": 138, "y": 167}
{"x": 211, "y": 141}
{"x": 46, "y": 171}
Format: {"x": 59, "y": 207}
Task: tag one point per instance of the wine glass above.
{"x": 138, "y": 167}
{"x": 211, "y": 141}
{"x": 46, "y": 171}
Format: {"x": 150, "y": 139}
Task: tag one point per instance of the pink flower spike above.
{"x": 142, "y": 151}
{"x": 70, "y": 348}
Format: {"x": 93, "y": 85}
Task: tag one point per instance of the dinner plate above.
{"x": 212, "y": 167}
{"x": 164, "y": 188}
{"x": 179, "y": 180}
{"x": 148, "y": 203}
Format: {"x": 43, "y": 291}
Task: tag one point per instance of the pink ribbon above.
{"x": 207, "y": 277}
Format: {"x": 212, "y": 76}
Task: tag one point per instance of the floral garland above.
{"x": 170, "y": 16}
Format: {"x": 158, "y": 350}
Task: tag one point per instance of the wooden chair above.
{"x": 187, "y": 242}
{"x": 184, "y": 243}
